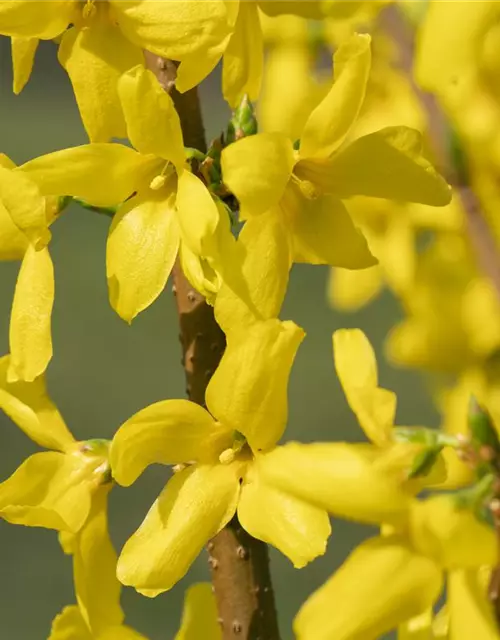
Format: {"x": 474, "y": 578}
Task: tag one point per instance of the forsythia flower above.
{"x": 52, "y": 489}
{"x": 303, "y": 189}
{"x": 25, "y": 216}
{"x": 164, "y": 204}
{"x": 221, "y": 477}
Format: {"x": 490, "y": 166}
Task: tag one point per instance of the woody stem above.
{"x": 239, "y": 563}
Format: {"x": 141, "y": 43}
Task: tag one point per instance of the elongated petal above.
{"x": 120, "y": 633}
{"x": 30, "y": 334}
{"x": 417, "y": 628}
{"x": 167, "y": 432}
{"x": 70, "y": 625}
{"x": 94, "y": 569}
{"x": 35, "y": 19}
{"x": 330, "y": 122}
{"x": 30, "y": 407}
{"x": 440, "y": 529}
{"x": 24, "y": 203}
{"x": 94, "y": 58}
{"x": 198, "y": 215}
{"x": 175, "y": 29}
{"x": 305, "y": 8}
{"x": 196, "y": 67}
{"x": 341, "y": 478}
{"x": 385, "y": 164}
{"x": 322, "y": 232}
{"x": 13, "y": 242}
{"x": 196, "y": 504}
{"x": 142, "y": 246}
{"x": 101, "y": 174}
{"x": 350, "y": 290}
{"x": 257, "y": 169}
{"x": 356, "y": 367}
{"x": 159, "y": 133}
{"x": 46, "y": 491}
{"x": 244, "y": 57}
{"x": 265, "y": 269}
{"x": 23, "y": 56}
{"x": 298, "y": 529}
{"x": 255, "y": 366}
{"x": 199, "y": 617}
{"x": 468, "y": 607}
{"x": 382, "y": 584}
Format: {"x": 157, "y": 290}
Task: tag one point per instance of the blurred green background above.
{"x": 103, "y": 371}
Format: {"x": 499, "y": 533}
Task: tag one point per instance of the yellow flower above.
{"x": 164, "y": 204}
{"x": 304, "y": 189}
{"x": 52, "y": 489}
{"x": 25, "y": 216}
{"x": 222, "y": 475}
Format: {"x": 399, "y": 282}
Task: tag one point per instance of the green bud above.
{"x": 243, "y": 123}
{"x": 424, "y": 461}
{"x": 481, "y": 427}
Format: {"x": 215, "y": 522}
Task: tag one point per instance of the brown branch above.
{"x": 482, "y": 240}
{"x": 239, "y": 563}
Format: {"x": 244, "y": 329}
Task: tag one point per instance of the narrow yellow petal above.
{"x": 356, "y": 367}
{"x": 196, "y": 67}
{"x": 70, "y": 625}
{"x": 330, "y": 122}
{"x": 94, "y": 569}
{"x": 350, "y": 290}
{"x": 244, "y": 57}
{"x": 311, "y": 9}
{"x": 255, "y": 366}
{"x": 23, "y": 56}
{"x": 35, "y": 19}
{"x": 385, "y": 164}
{"x": 470, "y": 613}
{"x": 442, "y": 530}
{"x": 167, "y": 432}
{"x": 30, "y": 407}
{"x": 380, "y": 585}
{"x": 199, "y": 616}
{"x": 298, "y": 529}
{"x": 95, "y": 58}
{"x": 102, "y": 174}
{"x": 257, "y": 169}
{"x": 120, "y": 633}
{"x": 30, "y": 334}
{"x": 196, "y": 504}
{"x": 47, "y": 490}
{"x": 160, "y": 132}
{"x": 341, "y": 478}
{"x": 265, "y": 269}
{"x": 198, "y": 215}
{"x": 142, "y": 247}
{"x": 417, "y": 628}
{"x": 13, "y": 242}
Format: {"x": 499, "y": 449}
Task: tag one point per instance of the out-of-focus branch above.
{"x": 239, "y": 563}
{"x": 482, "y": 240}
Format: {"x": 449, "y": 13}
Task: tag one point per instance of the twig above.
{"x": 239, "y": 563}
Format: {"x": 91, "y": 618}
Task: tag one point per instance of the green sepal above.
{"x": 424, "y": 461}
{"x": 243, "y": 122}
{"x": 481, "y": 427}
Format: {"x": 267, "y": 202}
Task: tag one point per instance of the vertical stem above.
{"x": 239, "y": 563}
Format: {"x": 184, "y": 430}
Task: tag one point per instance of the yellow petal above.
{"x": 305, "y": 8}
{"x": 30, "y": 407}
{"x": 30, "y": 322}
{"x": 322, "y": 232}
{"x": 94, "y": 58}
{"x": 380, "y": 585}
{"x": 350, "y": 290}
{"x": 198, "y": 215}
{"x": 255, "y": 366}
{"x": 102, "y": 174}
{"x": 174, "y": 29}
{"x": 244, "y": 57}
{"x": 356, "y": 367}
{"x": 468, "y": 607}
{"x": 196, "y": 504}
{"x": 23, "y": 55}
{"x": 13, "y": 242}
{"x": 257, "y": 169}
{"x": 47, "y": 491}
{"x": 94, "y": 568}
{"x": 299, "y": 530}
{"x": 70, "y": 625}
{"x": 453, "y": 536}
{"x": 23, "y": 201}
{"x": 167, "y": 432}
{"x": 120, "y": 633}
{"x": 341, "y": 478}
{"x": 153, "y": 125}
{"x": 417, "y": 628}
{"x": 142, "y": 247}
{"x": 385, "y": 164}
{"x": 199, "y": 616}
{"x": 32, "y": 18}
{"x": 196, "y": 67}
{"x": 328, "y": 125}
{"x": 265, "y": 269}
